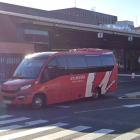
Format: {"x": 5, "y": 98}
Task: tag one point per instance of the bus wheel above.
{"x": 96, "y": 94}
{"x": 38, "y": 102}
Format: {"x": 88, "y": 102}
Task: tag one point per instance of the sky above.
{"x": 123, "y": 9}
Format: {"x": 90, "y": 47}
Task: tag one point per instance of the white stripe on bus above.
{"x": 90, "y": 79}
{"x": 104, "y": 82}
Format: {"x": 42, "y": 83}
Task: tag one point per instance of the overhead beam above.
{"x": 73, "y": 25}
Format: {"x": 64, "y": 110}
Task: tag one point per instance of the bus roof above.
{"x": 40, "y": 54}
{"x": 90, "y": 50}
{"x": 81, "y": 51}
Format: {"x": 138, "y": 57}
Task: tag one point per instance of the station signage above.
{"x": 100, "y": 35}
{"x": 130, "y": 38}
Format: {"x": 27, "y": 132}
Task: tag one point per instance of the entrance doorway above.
{"x": 132, "y": 60}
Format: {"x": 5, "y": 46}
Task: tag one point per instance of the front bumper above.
{"x": 21, "y": 98}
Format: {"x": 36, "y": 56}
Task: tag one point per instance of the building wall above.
{"x": 63, "y": 38}
{"x": 11, "y": 54}
{"x": 9, "y": 48}
{"x": 42, "y": 13}
{"x": 8, "y": 28}
{"x": 100, "y": 17}
{"x": 137, "y": 29}
{"x": 34, "y": 34}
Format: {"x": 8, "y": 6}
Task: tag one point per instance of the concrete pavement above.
{"x": 132, "y": 95}
{"x": 128, "y": 78}
{"x": 125, "y": 78}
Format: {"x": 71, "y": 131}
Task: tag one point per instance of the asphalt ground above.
{"x": 108, "y": 113}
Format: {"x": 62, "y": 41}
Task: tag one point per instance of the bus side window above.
{"x": 107, "y": 62}
{"x": 93, "y": 63}
{"x": 62, "y": 66}
{"x": 77, "y": 64}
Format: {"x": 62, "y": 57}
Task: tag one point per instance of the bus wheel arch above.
{"x": 96, "y": 94}
{"x": 39, "y": 101}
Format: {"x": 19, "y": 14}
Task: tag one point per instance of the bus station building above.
{"x": 26, "y": 30}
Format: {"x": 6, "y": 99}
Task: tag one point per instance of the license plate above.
{"x": 7, "y": 102}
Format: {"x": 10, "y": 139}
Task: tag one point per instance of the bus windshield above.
{"x": 30, "y": 68}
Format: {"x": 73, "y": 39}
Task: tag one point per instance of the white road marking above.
{"x": 31, "y": 131}
{"x": 126, "y": 136}
{"x": 64, "y": 117}
{"x": 94, "y": 135}
{"x": 35, "y": 122}
{"x": 122, "y": 98}
{"x": 27, "y": 124}
{"x": 131, "y": 106}
{"x": 63, "y": 133}
{"x": 5, "y": 116}
{"x": 64, "y": 106}
{"x": 98, "y": 110}
{"x": 13, "y": 120}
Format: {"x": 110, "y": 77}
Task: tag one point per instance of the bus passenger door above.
{"x": 64, "y": 79}
{"x": 78, "y": 86}
{"x": 51, "y": 82}
{"x": 78, "y": 76}
{"x": 65, "y": 89}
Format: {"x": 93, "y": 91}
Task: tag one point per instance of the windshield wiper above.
{"x": 17, "y": 77}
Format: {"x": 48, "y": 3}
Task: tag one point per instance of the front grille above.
{"x": 9, "y": 91}
{"x": 8, "y": 98}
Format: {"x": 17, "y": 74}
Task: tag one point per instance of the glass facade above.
{"x": 39, "y": 38}
{"x": 8, "y": 64}
{"x": 119, "y": 54}
{"x": 132, "y": 60}
{"x": 127, "y": 60}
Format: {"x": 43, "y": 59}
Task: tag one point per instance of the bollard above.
{"x": 133, "y": 75}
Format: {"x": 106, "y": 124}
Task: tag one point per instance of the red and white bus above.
{"x": 53, "y": 77}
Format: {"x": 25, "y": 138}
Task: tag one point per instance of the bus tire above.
{"x": 38, "y": 102}
{"x": 96, "y": 94}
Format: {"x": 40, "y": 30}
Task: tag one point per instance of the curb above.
{"x": 128, "y": 81}
{"x": 132, "y": 95}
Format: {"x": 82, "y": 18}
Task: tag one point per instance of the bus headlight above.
{"x": 26, "y": 87}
